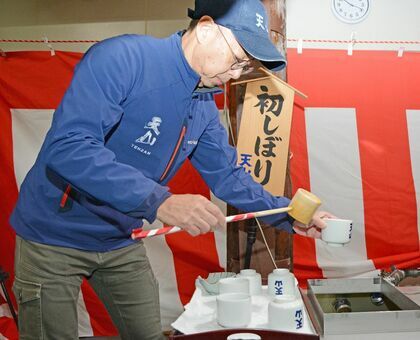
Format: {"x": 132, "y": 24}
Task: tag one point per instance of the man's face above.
{"x": 221, "y": 58}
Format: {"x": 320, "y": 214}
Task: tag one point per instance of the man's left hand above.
{"x": 313, "y": 229}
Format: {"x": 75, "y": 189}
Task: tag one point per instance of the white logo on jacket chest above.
{"x": 152, "y": 132}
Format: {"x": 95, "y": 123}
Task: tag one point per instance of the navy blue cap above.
{"x": 247, "y": 19}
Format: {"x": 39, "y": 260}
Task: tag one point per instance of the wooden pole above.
{"x": 280, "y": 243}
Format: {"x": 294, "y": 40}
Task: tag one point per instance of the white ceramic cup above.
{"x": 254, "y": 278}
{"x": 338, "y": 232}
{"x": 281, "y": 282}
{"x": 233, "y": 310}
{"x": 285, "y": 313}
{"x": 234, "y": 285}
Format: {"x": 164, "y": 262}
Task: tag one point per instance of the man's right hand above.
{"x": 193, "y": 213}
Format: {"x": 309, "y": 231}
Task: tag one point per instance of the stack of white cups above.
{"x": 234, "y": 299}
{"x": 254, "y": 278}
{"x": 285, "y": 311}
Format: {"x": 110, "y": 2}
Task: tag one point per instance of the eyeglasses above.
{"x": 244, "y": 64}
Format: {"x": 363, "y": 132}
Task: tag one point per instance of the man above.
{"x": 136, "y": 108}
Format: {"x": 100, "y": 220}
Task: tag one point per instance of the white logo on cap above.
{"x": 260, "y": 21}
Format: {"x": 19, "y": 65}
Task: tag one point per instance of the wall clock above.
{"x": 351, "y": 11}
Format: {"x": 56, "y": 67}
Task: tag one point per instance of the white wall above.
{"x": 98, "y": 19}
{"x": 387, "y": 20}
{"x": 83, "y": 31}
{"x": 86, "y": 20}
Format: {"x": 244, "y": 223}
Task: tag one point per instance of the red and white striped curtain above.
{"x": 355, "y": 143}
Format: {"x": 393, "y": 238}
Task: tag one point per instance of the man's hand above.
{"x": 313, "y": 229}
{"x": 193, "y": 213}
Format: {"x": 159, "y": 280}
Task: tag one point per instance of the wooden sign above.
{"x": 264, "y": 133}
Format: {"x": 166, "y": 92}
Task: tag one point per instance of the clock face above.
{"x": 351, "y": 11}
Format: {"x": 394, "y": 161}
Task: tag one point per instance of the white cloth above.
{"x": 200, "y": 314}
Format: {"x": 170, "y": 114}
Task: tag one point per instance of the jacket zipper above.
{"x": 174, "y": 153}
{"x": 66, "y": 201}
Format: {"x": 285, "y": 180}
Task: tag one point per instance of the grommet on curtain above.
{"x": 49, "y": 45}
{"x": 300, "y": 46}
{"x": 351, "y": 43}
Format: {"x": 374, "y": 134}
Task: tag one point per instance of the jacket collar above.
{"x": 213, "y": 90}
{"x": 189, "y": 77}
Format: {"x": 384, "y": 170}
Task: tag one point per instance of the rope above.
{"x": 396, "y": 42}
{"x": 266, "y": 244}
{"x": 50, "y": 41}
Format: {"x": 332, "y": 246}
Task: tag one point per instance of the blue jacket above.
{"x": 130, "y": 117}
